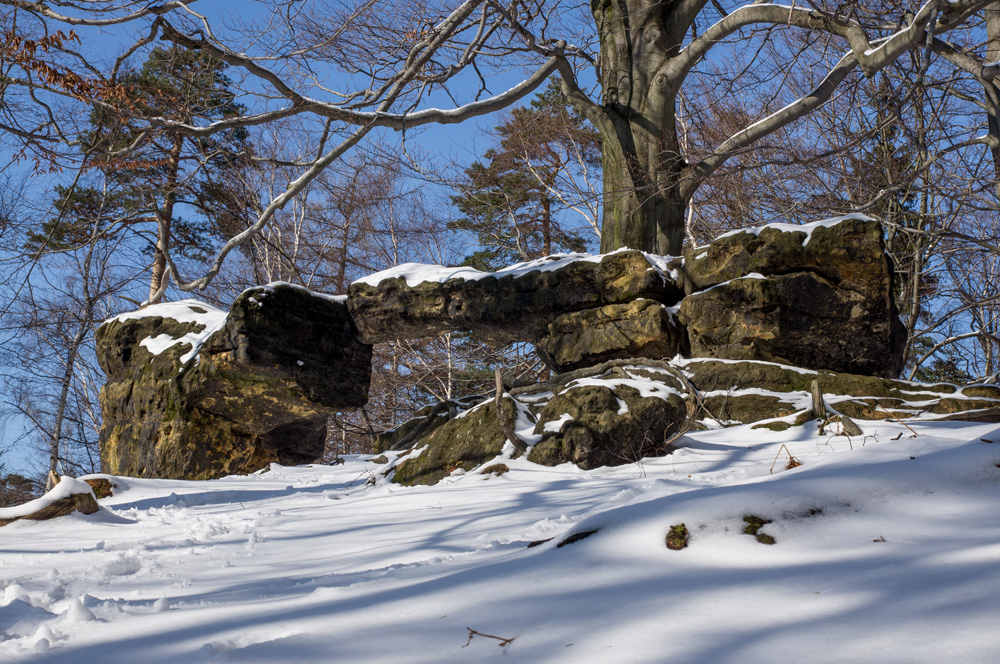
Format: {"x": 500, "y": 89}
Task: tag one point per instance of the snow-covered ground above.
{"x": 887, "y": 550}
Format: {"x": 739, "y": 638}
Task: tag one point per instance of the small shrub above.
{"x": 677, "y": 537}
{"x": 754, "y": 524}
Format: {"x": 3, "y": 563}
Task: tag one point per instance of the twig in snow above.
{"x": 503, "y": 642}
{"x": 792, "y": 461}
{"x": 878, "y": 405}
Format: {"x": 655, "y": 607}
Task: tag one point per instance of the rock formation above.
{"x": 817, "y": 296}
{"x": 195, "y": 393}
{"x": 622, "y": 411}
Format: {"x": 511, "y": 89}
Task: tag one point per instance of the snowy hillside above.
{"x": 887, "y": 552}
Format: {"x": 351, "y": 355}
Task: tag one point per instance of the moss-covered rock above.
{"x": 259, "y": 389}
{"x": 610, "y": 423}
{"x": 610, "y": 418}
{"x": 462, "y": 443}
{"x": 424, "y": 422}
{"x": 507, "y": 306}
{"x": 817, "y": 296}
{"x": 641, "y": 328}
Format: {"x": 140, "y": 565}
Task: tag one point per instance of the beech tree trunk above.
{"x": 643, "y": 205}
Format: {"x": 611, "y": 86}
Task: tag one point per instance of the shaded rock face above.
{"x": 259, "y": 390}
{"x": 601, "y": 420}
{"x": 819, "y": 298}
{"x": 506, "y": 306}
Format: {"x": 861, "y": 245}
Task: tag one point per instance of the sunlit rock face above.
{"x": 817, "y": 296}
{"x": 515, "y": 304}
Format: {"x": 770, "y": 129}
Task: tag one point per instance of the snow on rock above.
{"x": 272, "y": 286}
{"x": 418, "y": 273}
{"x": 205, "y": 315}
{"x": 806, "y": 229}
{"x": 67, "y": 488}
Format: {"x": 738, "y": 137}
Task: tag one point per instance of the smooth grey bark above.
{"x": 644, "y": 60}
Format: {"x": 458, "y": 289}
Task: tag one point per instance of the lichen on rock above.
{"x": 258, "y": 390}
{"x": 499, "y": 308}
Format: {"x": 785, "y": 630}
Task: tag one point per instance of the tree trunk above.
{"x": 643, "y": 206}
{"x": 164, "y": 221}
{"x": 992, "y": 90}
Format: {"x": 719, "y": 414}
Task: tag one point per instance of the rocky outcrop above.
{"x": 816, "y": 296}
{"x": 196, "y": 393}
{"x": 623, "y": 411}
{"x": 605, "y": 416}
{"x": 516, "y": 304}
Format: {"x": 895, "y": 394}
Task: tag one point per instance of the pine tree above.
{"x": 185, "y": 190}
{"x": 512, "y": 203}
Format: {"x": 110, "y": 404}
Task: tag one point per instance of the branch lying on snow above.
{"x": 503, "y": 642}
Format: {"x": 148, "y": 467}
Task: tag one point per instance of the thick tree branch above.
{"x": 42, "y": 9}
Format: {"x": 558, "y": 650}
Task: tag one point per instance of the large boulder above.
{"x": 816, "y": 296}
{"x": 196, "y": 393}
{"x": 617, "y": 417}
{"x": 641, "y": 328}
{"x": 515, "y": 304}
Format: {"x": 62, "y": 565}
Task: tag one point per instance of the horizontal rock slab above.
{"x": 641, "y": 328}
{"x": 197, "y": 393}
{"x": 515, "y": 304}
{"x": 801, "y": 319}
{"x": 847, "y": 251}
{"x": 743, "y": 392}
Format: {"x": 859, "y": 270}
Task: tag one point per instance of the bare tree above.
{"x": 394, "y": 60}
